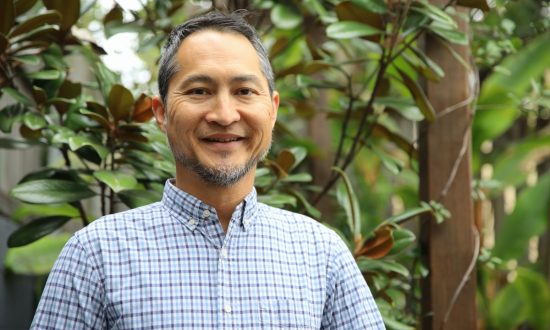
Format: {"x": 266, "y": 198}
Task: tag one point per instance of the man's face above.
{"x": 219, "y": 114}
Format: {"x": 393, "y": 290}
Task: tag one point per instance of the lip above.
{"x": 223, "y": 141}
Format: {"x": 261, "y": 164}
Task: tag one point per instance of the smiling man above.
{"x": 209, "y": 255}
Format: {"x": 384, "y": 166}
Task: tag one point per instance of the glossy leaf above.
{"x": 501, "y": 91}
{"x": 138, "y": 197}
{"x": 142, "y": 109}
{"x": 402, "y": 239}
{"x": 310, "y": 209}
{"x": 69, "y": 10}
{"x": 51, "y": 191}
{"x": 453, "y": 36}
{"x": 18, "y": 96}
{"x": 285, "y": 17}
{"x": 435, "y": 14}
{"x": 34, "y": 120}
{"x": 120, "y": 102}
{"x": 529, "y": 219}
{"x": 7, "y": 16}
{"x": 9, "y": 116}
{"x": 387, "y": 266}
{"x": 350, "y": 29}
{"x": 357, "y": 12}
{"x": 9, "y": 143}
{"x": 348, "y": 200}
{"x": 405, "y": 107}
{"x": 48, "y": 17}
{"x": 22, "y": 6}
{"x": 377, "y": 246}
{"x": 25, "y": 211}
{"x": 420, "y": 98}
{"x": 278, "y": 200}
{"x": 36, "y": 258}
{"x": 35, "y": 230}
{"x": 78, "y": 141}
{"x": 116, "y": 180}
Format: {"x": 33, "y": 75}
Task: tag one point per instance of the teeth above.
{"x": 224, "y": 140}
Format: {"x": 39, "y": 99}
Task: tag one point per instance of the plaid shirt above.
{"x": 169, "y": 265}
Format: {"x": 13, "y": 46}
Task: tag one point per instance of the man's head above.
{"x": 216, "y": 21}
{"x": 218, "y": 104}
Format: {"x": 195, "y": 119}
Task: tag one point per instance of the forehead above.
{"x": 208, "y": 49}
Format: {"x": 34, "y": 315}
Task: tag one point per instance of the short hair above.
{"x": 217, "y": 21}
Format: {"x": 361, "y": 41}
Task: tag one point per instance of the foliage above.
{"x": 362, "y": 58}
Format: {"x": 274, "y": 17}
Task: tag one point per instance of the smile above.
{"x": 223, "y": 140}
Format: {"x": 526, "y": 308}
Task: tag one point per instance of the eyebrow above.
{"x": 202, "y": 78}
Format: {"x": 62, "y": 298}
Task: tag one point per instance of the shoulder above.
{"x": 121, "y": 223}
{"x": 296, "y": 224}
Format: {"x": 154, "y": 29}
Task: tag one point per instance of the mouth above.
{"x": 222, "y": 139}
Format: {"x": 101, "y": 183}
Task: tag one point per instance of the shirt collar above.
{"x": 191, "y": 211}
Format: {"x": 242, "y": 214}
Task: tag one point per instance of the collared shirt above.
{"x": 169, "y": 265}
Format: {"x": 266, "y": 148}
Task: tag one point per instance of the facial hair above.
{"x": 224, "y": 175}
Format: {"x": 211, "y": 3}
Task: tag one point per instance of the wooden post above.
{"x": 445, "y": 176}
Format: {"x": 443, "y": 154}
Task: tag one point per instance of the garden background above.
{"x": 418, "y": 130}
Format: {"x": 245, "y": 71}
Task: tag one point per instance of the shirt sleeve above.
{"x": 349, "y": 303}
{"x": 72, "y": 298}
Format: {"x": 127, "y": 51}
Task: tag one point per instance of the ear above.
{"x": 160, "y": 112}
{"x": 275, "y": 105}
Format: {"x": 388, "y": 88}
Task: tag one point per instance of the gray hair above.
{"x": 233, "y": 22}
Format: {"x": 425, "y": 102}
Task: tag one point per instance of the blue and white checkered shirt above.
{"x": 169, "y": 265}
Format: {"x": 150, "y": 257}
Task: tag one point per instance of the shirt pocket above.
{"x": 286, "y": 314}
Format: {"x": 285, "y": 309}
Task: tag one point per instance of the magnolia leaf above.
{"x": 350, "y": 29}
{"x": 69, "y": 10}
{"x": 142, "y": 109}
{"x": 402, "y": 238}
{"x": 285, "y": 160}
{"x": 285, "y": 17}
{"x": 479, "y": 4}
{"x": 138, "y": 197}
{"x": 278, "y": 200}
{"x": 34, "y": 120}
{"x": 120, "y": 102}
{"x": 278, "y": 47}
{"x": 378, "y": 246}
{"x": 357, "y": 12}
{"x": 22, "y": 6}
{"x": 310, "y": 209}
{"x": 35, "y": 230}
{"x": 116, "y": 180}
{"x": 348, "y": 199}
{"x": 18, "y": 96}
{"x": 420, "y": 98}
{"x": 36, "y": 258}
{"x": 51, "y": 191}
{"x": 7, "y": 16}
{"x": 78, "y": 141}
{"x": 10, "y": 115}
{"x": 48, "y": 17}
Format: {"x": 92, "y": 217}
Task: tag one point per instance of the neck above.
{"x": 223, "y": 199}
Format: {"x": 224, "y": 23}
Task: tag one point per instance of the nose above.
{"x": 224, "y": 111}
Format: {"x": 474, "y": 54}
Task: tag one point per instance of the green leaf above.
{"x": 310, "y": 209}
{"x": 120, "y": 102}
{"x": 285, "y": 17}
{"x": 48, "y": 17}
{"x": 502, "y": 92}
{"x": 69, "y": 10}
{"x": 376, "y": 6}
{"x": 28, "y": 59}
{"x": 529, "y": 219}
{"x": 78, "y": 141}
{"x": 51, "y": 191}
{"x": 34, "y": 120}
{"x": 453, "y": 36}
{"x": 7, "y": 16}
{"x": 116, "y": 180}
{"x": 35, "y": 230}
{"x": 350, "y": 29}
{"x": 300, "y": 177}
{"x": 10, "y": 115}
{"x": 25, "y": 211}
{"x": 18, "y": 96}
{"x": 391, "y": 164}
{"x": 411, "y": 213}
{"x": 407, "y": 108}
{"x": 137, "y": 197}
{"x": 348, "y": 200}
{"x": 419, "y": 97}
{"x": 435, "y": 14}
{"x": 402, "y": 238}
{"x": 36, "y": 258}
{"x": 389, "y": 266}
{"x": 278, "y": 200}
{"x": 511, "y": 166}
{"x": 45, "y": 75}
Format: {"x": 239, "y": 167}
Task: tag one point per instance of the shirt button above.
{"x": 223, "y": 252}
{"x": 227, "y": 308}
{"x": 206, "y": 214}
{"x": 192, "y": 222}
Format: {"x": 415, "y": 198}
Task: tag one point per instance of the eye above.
{"x": 197, "y": 91}
{"x": 245, "y": 91}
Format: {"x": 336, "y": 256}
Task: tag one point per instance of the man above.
{"x": 209, "y": 255}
